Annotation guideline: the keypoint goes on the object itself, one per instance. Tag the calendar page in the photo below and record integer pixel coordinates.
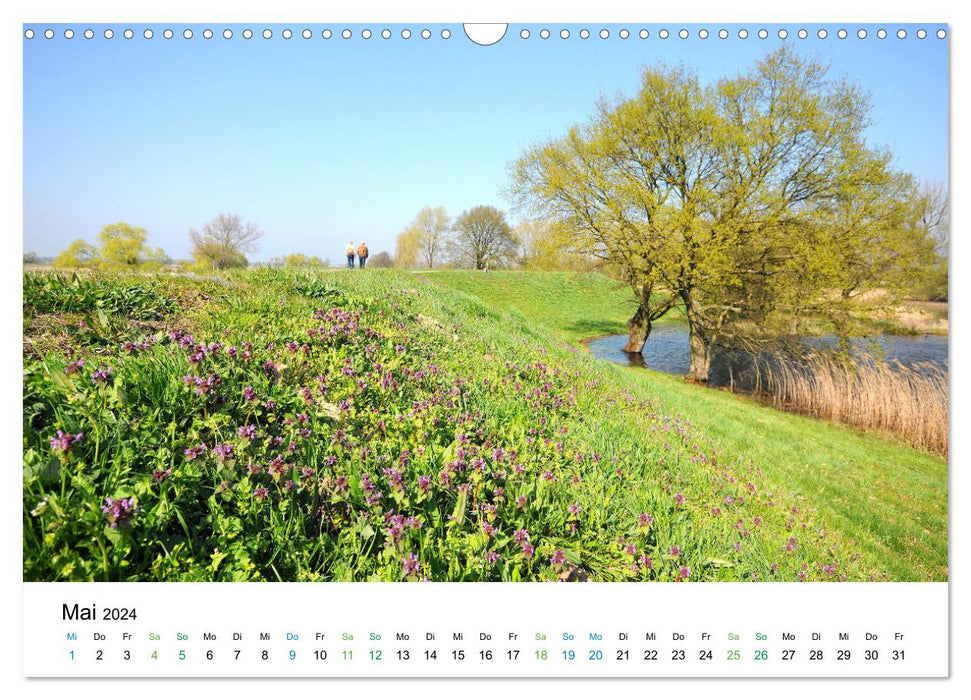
(530, 349)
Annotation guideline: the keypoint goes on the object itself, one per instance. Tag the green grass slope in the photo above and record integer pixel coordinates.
(571, 305)
(888, 500)
(380, 425)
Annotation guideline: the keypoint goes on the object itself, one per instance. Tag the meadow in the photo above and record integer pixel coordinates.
(382, 425)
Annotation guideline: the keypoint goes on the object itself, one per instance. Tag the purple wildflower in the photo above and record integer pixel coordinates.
(120, 512)
(225, 451)
(101, 375)
(193, 452)
(64, 442)
(395, 478)
(410, 565)
(72, 367)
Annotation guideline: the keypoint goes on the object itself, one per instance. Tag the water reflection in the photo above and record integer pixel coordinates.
(667, 351)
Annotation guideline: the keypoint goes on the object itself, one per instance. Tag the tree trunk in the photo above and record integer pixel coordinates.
(700, 366)
(639, 327)
(700, 341)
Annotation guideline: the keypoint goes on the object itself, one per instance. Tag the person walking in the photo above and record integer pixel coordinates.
(349, 252)
(362, 253)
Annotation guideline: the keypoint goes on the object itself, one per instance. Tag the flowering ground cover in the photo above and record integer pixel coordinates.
(378, 426)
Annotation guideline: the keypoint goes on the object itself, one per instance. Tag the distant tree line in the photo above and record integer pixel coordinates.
(299, 260)
(481, 238)
(222, 243)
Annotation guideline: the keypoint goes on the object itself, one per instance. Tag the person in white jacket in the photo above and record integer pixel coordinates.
(349, 252)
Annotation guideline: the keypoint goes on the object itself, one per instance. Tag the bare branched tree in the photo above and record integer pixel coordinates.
(934, 207)
(224, 241)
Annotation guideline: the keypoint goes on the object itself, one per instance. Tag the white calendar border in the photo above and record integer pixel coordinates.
(496, 629)
(506, 11)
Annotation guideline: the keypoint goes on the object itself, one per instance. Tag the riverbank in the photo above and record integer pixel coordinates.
(882, 494)
(904, 394)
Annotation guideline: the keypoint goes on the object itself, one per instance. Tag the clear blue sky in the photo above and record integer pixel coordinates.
(320, 141)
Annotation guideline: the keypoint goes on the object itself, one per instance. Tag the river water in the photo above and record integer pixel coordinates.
(666, 351)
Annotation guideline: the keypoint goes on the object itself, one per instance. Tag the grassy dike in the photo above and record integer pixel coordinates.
(572, 306)
(383, 425)
(887, 500)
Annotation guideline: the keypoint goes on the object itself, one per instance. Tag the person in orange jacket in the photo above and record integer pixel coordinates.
(362, 253)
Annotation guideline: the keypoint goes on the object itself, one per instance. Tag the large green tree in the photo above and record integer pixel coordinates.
(731, 200)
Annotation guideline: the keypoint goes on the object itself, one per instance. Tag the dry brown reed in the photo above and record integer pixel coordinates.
(909, 402)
